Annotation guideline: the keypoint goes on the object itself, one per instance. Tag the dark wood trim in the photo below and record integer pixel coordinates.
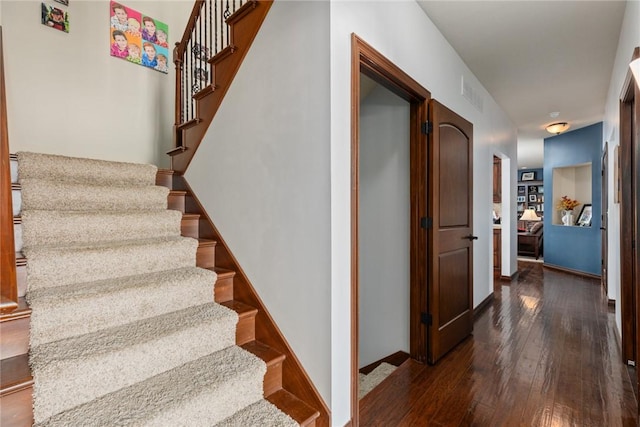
(395, 359)
(243, 28)
(509, 278)
(480, 308)
(8, 283)
(355, 209)
(295, 379)
(571, 271)
(629, 120)
(365, 59)
(181, 46)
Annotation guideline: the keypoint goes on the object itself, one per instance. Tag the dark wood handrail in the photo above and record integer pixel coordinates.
(8, 284)
(181, 46)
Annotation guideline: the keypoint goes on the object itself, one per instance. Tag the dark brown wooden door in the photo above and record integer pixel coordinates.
(450, 242)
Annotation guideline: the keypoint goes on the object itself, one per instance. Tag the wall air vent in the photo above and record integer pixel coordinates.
(471, 95)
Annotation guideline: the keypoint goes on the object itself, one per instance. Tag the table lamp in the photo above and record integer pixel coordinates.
(529, 216)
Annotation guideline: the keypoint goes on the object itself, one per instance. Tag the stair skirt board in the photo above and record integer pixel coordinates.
(124, 330)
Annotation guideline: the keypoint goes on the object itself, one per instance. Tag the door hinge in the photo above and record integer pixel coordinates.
(426, 222)
(427, 128)
(425, 318)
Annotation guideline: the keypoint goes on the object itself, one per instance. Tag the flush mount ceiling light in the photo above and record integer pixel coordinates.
(557, 128)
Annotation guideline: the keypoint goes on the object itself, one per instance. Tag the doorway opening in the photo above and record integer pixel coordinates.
(367, 61)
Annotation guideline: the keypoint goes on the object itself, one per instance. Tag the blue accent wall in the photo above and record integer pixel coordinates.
(575, 248)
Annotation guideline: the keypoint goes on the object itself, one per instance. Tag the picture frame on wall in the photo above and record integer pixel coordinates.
(584, 219)
(528, 176)
(533, 198)
(521, 189)
(521, 199)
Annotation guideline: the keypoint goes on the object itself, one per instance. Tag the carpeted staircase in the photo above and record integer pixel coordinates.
(124, 330)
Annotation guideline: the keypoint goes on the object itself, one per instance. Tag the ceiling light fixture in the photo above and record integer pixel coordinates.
(557, 128)
(635, 70)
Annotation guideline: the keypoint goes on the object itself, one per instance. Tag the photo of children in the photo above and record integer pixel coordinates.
(134, 54)
(55, 18)
(138, 38)
(120, 45)
(119, 17)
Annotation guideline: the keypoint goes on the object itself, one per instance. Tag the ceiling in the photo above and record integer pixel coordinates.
(535, 58)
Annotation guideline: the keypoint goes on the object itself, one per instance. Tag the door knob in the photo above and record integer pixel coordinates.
(471, 237)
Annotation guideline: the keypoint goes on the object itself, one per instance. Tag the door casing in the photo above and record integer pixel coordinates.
(365, 59)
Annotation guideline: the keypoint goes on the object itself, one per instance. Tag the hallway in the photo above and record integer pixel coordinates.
(544, 353)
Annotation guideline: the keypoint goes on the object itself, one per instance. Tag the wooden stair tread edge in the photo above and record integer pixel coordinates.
(204, 92)
(177, 193)
(176, 151)
(223, 272)
(294, 407)
(242, 11)
(21, 311)
(7, 305)
(16, 374)
(243, 310)
(186, 125)
(206, 242)
(269, 355)
(224, 53)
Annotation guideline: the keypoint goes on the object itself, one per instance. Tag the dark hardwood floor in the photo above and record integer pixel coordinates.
(544, 353)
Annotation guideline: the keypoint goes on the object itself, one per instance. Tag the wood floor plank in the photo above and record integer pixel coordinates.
(543, 353)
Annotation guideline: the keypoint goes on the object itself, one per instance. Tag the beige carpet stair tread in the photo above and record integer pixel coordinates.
(62, 196)
(73, 227)
(67, 371)
(76, 309)
(73, 169)
(50, 266)
(260, 414)
(199, 393)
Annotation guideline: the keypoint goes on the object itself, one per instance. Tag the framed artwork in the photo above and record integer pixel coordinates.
(533, 198)
(521, 189)
(584, 219)
(528, 176)
(55, 18)
(521, 199)
(138, 38)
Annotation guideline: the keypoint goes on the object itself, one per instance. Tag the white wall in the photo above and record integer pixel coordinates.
(67, 95)
(262, 174)
(629, 39)
(384, 226)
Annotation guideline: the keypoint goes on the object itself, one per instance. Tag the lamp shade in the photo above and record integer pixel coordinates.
(529, 215)
(557, 128)
(635, 70)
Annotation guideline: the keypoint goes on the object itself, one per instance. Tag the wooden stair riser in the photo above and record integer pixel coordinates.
(16, 408)
(175, 200)
(246, 327)
(223, 290)
(273, 359)
(15, 337)
(206, 254)
(190, 225)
